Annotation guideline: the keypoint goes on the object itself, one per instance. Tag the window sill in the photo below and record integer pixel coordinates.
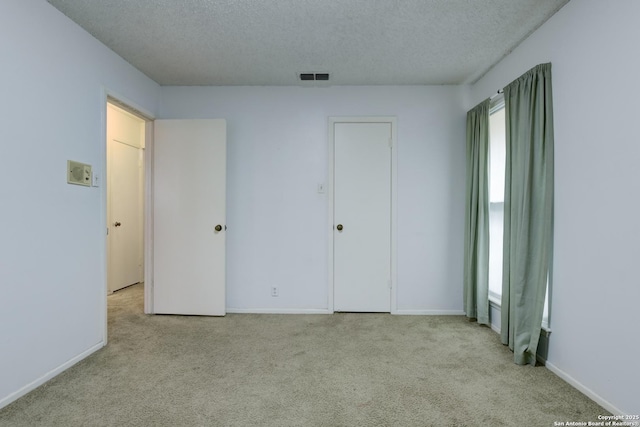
(495, 303)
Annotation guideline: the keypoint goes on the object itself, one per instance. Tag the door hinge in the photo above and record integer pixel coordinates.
(390, 142)
(107, 231)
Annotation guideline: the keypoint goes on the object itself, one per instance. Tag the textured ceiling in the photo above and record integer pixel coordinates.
(267, 42)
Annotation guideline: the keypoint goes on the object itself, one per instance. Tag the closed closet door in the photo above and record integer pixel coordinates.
(362, 217)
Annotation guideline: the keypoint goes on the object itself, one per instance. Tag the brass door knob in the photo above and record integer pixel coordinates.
(339, 227)
(218, 227)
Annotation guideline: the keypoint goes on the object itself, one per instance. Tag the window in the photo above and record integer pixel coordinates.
(497, 157)
(497, 154)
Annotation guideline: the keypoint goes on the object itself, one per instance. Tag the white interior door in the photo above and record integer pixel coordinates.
(362, 217)
(125, 139)
(189, 179)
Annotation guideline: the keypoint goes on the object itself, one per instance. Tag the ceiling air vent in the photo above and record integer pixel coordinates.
(310, 77)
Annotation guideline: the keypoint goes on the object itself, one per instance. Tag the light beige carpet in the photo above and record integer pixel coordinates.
(298, 370)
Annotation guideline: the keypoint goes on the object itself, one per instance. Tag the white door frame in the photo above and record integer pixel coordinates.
(130, 106)
(394, 197)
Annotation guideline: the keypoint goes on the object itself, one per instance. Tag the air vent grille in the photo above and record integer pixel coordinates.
(310, 77)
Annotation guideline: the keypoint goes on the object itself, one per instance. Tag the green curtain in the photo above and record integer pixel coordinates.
(528, 210)
(476, 232)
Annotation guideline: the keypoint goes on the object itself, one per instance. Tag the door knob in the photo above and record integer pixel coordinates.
(339, 227)
(218, 227)
(117, 224)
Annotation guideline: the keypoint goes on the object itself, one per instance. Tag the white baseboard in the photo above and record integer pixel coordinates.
(326, 311)
(278, 311)
(429, 312)
(584, 389)
(573, 382)
(46, 377)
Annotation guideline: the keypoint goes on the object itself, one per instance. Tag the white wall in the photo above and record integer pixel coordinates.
(52, 246)
(278, 223)
(596, 291)
(52, 243)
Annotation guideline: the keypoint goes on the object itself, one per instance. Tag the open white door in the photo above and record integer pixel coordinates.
(189, 179)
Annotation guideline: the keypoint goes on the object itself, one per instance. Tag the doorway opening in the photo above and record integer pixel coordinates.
(126, 184)
(125, 198)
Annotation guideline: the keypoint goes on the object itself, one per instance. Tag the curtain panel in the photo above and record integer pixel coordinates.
(528, 210)
(476, 232)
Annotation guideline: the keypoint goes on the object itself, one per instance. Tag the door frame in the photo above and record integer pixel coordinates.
(109, 96)
(394, 198)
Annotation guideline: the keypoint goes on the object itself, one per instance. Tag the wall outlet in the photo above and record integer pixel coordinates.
(274, 291)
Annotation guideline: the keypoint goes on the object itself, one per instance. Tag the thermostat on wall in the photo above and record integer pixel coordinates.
(78, 173)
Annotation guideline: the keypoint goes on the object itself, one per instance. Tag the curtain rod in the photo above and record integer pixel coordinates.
(498, 93)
